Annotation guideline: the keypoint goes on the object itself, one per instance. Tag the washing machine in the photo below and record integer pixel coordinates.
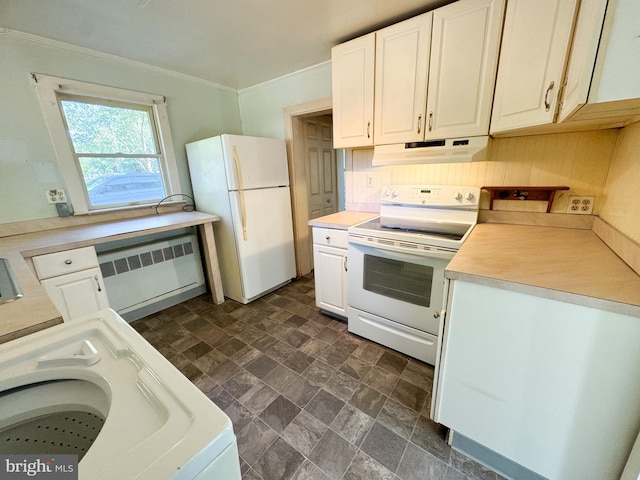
(95, 388)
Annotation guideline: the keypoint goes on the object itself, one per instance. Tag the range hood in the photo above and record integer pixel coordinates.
(451, 150)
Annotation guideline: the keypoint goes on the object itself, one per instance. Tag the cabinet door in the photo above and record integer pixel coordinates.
(535, 45)
(352, 76)
(330, 272)
(77, 294)
(402, 62)
(462, 71)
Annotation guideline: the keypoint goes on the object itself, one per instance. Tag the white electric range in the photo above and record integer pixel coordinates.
(397, 263)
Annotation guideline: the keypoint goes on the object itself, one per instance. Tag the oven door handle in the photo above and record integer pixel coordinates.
(441, 254)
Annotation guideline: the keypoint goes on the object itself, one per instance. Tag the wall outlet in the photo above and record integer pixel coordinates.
(370, 181)
(56, 195)
(581, 205)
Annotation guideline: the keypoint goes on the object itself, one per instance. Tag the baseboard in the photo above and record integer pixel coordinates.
(164, 303)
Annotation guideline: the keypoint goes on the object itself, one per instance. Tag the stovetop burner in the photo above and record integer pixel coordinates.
(428, 230)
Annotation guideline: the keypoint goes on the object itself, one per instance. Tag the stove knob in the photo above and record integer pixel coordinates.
(470, 197)
(386, 193)
(458, 196)
(394, 193)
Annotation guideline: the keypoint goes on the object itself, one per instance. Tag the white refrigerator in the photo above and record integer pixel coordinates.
(245, 181)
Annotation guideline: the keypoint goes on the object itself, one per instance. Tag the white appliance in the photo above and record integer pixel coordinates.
(245, 181)
(94, 387)
(397, 263)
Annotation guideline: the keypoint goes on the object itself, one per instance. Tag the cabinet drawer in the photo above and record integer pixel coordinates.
(330, 236)
(59, 263)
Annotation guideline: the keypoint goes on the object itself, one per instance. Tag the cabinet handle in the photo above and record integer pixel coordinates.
(95, 277)
(431, 120)
(68, 262)
(345, 265)
(327, 238)
(547, 104)
(419, 122)
(369, 129)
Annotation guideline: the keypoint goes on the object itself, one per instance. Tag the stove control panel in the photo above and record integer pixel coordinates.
(432, 195)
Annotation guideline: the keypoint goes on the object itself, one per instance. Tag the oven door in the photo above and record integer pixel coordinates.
(406, 288)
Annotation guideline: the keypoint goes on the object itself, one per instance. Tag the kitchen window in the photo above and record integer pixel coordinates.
(113, 146)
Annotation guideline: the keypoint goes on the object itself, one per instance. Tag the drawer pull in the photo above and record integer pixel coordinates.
(68, 262)
(327, 238)
(95, 277)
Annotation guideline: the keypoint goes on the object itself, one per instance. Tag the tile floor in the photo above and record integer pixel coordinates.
(308, 400)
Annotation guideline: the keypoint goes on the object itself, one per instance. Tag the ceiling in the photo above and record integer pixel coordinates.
(235, 43)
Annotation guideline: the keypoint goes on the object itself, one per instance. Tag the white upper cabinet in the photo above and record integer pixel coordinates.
(402, 62)
(464, 57)
(535, 47)
(352, 67)
(603, 76)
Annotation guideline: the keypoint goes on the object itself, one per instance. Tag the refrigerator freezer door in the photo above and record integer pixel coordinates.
(255, 162)
(266, 256)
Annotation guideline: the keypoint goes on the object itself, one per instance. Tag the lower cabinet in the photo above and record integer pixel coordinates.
(550, 386)
(73, 281)
(330, 269)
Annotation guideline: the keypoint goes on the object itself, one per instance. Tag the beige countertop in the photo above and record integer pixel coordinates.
(34, 311)
(566, 264)
(342, 220)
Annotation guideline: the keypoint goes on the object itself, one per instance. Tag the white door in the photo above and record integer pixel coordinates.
(264, 238)
(77, 294)
(255, 162)
(462, 68)
(402, 63)
(535, 46)
(352, 76)
(320, 167)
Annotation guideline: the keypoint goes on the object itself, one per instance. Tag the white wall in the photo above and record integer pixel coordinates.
(262, 106)
(28, 165)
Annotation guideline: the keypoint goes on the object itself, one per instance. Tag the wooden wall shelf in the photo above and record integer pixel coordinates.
(523, 193)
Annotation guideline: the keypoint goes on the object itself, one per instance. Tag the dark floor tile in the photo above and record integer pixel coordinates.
(254, 440)
(398, 418)
(221, 397)
(210, 361)
(420, 374)
(246, 355)
(239, 414)
(418, 465)
(304, 432)
(352, 424)
(279, 462)
(410, 395)
(384, 446)
(381, 380)
(224, 371)
(240, 383)
(333, 455)
(296, 338)
(328, 335)
(342, 385)
(392, 362)
(261, 366)
(308, 471)
(279, 413)
(213, 335)
(364, 467)
(470, 468)
(231, 347)
(258, 397)
(281, 351)
(295, 387)
(324, 406)
(299, 361)
(265, 343)
(319, 372)
(356, 367)
(368, 400)
(431, 437)
(334, 356)
(186, 342)
(296, 321)
(314, 347)
(195, 324)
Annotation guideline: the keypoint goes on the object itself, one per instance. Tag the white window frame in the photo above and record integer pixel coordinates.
(48, 88)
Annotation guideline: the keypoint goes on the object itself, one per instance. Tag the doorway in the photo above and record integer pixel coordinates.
(316, 172)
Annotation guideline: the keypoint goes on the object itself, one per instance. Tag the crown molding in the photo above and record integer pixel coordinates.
(317, 66)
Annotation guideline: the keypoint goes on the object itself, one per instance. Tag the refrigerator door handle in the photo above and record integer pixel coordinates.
(243, 208)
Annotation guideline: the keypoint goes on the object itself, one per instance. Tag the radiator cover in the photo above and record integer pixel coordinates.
(148, 277)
